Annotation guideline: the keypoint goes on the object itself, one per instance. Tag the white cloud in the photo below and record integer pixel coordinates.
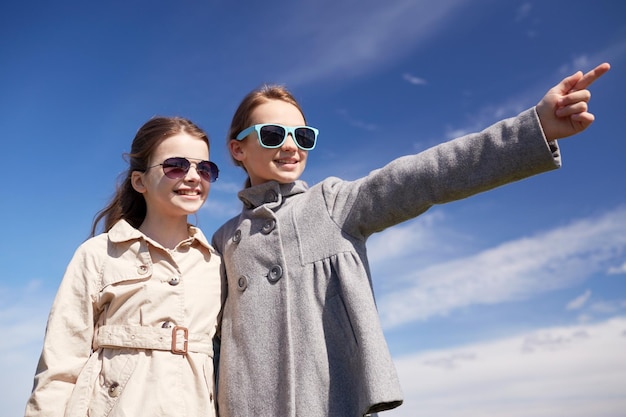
(357, 40)
(541, 341)
(515, 270)
(489, 114)
(614, 270)
(608, 307)
(523, 11)
(579, 301)
(511, 105)
(599, 308)
(450, 361)
(550, 372)
(583, 62)
(415, 238)
(411, 79)
(23, 316)
(580, 62)
(229, 187)
(355, 122)
(452, 133)
(223, 208)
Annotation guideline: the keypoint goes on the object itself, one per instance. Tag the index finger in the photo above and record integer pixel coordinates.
(591, 76)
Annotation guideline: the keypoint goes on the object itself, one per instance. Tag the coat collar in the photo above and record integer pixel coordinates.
(271, 193)
(122, 231)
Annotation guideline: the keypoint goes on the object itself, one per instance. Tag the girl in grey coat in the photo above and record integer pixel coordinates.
(300, 331)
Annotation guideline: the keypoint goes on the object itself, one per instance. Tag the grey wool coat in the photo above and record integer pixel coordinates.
(300, 333)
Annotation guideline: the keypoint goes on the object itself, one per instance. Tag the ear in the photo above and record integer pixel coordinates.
(137, 181)
(236, 149)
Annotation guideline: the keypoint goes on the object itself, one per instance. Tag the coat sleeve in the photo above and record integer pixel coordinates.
(68, 338)
(507, 151)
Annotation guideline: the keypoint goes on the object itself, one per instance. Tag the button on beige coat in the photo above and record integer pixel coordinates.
(130, 331)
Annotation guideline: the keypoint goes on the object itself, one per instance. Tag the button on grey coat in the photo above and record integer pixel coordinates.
(300, 332)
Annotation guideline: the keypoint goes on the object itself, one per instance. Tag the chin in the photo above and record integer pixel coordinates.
(192, 208)
(288, 179)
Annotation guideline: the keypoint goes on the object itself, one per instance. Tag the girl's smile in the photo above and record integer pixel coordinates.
(287, 162)
(189, 193)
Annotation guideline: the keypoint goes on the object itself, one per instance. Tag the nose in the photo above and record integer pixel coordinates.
(289, 144)
(192, 175)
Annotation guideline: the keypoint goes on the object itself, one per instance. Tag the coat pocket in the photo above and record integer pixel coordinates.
(118, 366)
(81, 397)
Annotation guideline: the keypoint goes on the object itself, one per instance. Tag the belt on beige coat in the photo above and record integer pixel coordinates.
(176, 339)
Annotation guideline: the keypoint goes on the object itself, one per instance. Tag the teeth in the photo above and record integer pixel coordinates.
(187, 192)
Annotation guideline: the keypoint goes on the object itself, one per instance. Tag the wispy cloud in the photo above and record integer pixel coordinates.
(551, 371)
(515, 270)
(580, 62)
(493, 112)
(450, 361)
(514, 103)
(614, 270)
(360, 124)
(608, 307)
(358, 40)
(23, 316)
(578, 302)
(424, 240)
(549, 340)
(411, 79)
(523, 11)
(587, 61)
(590, 311)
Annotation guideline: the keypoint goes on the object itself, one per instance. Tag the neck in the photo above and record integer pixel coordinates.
(168, 232)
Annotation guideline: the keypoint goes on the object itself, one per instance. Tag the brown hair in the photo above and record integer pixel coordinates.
(127, 203)
(241, 119)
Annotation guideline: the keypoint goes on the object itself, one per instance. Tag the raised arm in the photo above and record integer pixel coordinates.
(563, 111)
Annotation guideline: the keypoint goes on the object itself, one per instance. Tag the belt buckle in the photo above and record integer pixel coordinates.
(185, 340)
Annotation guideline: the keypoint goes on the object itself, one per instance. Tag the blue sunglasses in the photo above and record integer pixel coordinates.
(272, 135)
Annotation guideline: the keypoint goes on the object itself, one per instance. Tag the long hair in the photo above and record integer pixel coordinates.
(241, 118)
(127, 203)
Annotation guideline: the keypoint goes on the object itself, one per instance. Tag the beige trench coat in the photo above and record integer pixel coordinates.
(130, 331)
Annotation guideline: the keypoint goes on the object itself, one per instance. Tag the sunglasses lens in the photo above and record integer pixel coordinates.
(272, 136)
(208, 171)
(305, 137)
(175, 168)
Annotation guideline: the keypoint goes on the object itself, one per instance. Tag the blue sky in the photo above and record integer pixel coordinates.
(509, 303)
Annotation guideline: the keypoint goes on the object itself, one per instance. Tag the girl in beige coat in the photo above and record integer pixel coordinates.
(130, 331)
